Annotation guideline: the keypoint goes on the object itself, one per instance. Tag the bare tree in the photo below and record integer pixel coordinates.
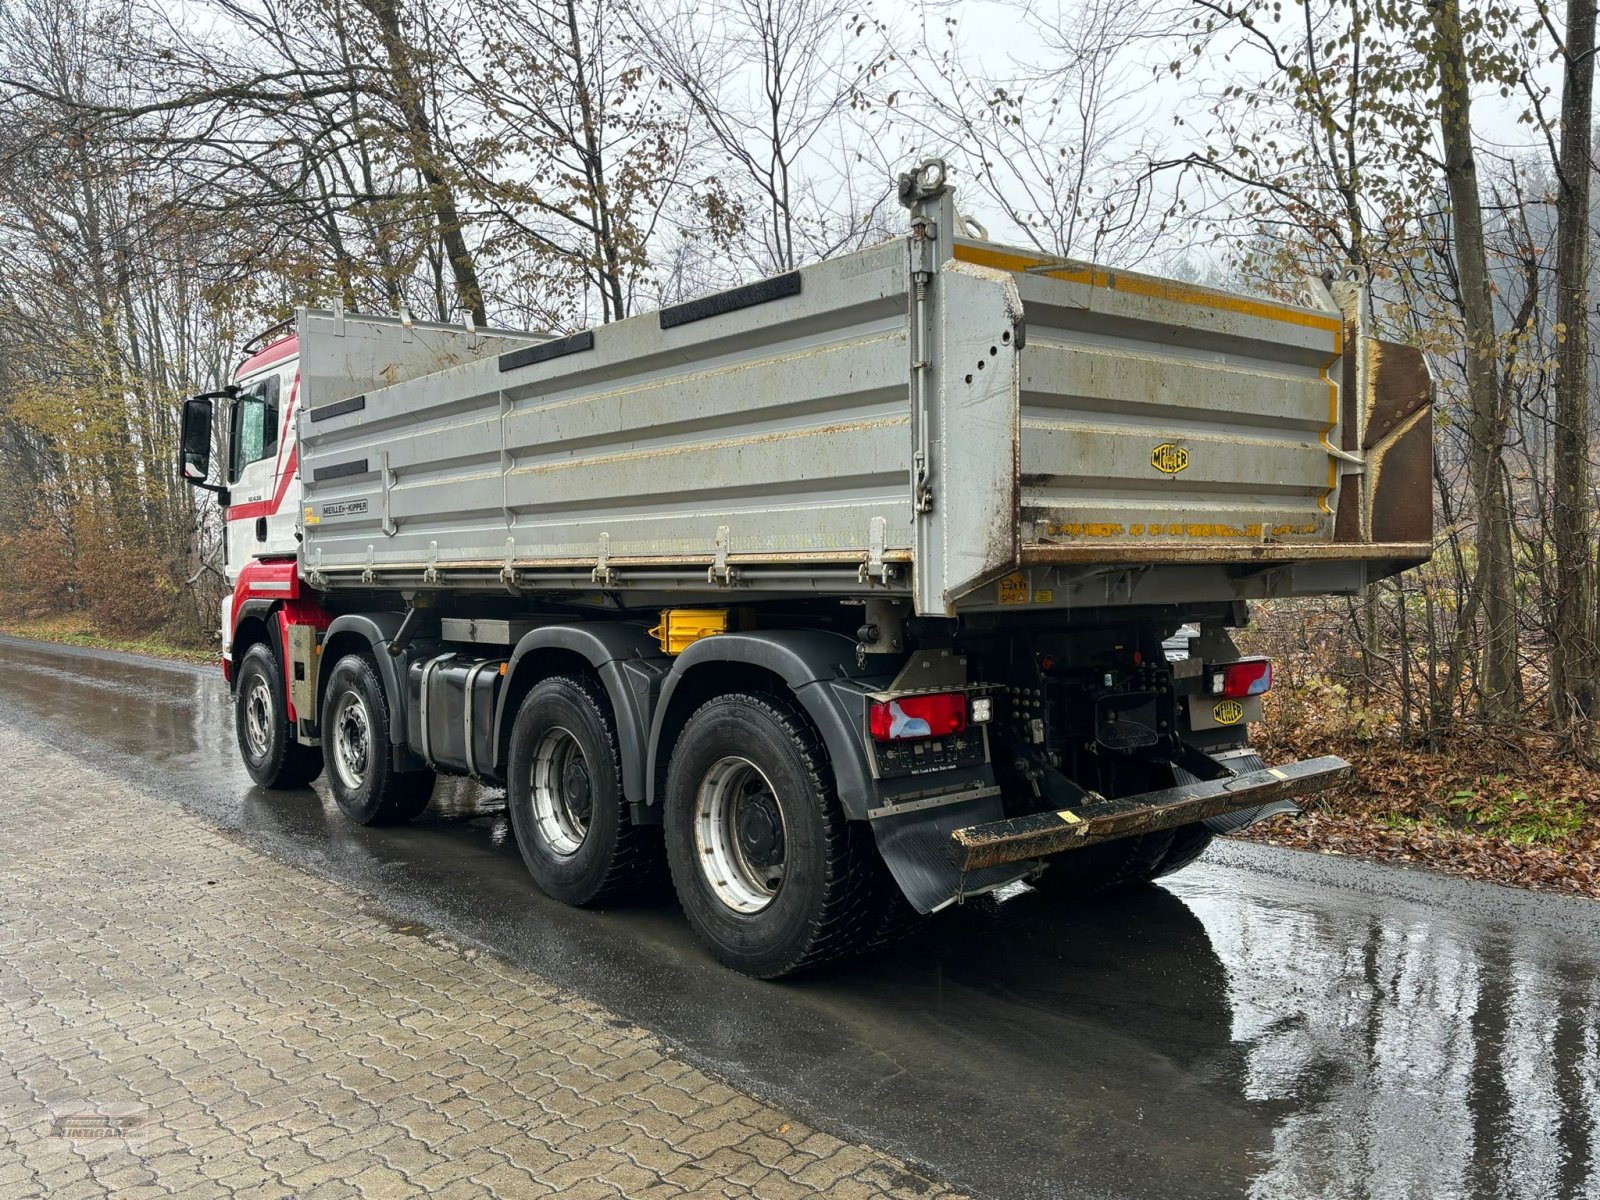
(1049, 138)
(1496, 584)
(1573, 653)
(585, 152)
(770, 82)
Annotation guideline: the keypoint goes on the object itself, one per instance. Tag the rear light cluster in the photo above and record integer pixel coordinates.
(935, 714)
(1236, 680)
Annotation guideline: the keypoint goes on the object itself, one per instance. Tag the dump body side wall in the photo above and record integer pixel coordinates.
(776, 430)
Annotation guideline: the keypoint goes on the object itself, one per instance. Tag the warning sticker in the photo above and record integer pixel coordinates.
(1016, 588)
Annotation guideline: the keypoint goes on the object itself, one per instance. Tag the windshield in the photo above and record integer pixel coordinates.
(254, 431)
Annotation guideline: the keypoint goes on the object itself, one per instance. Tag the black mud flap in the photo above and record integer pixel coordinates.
(1014, 839)
(916, 848)
(1233, 822)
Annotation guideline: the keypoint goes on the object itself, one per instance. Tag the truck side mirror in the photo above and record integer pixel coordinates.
(196, 439)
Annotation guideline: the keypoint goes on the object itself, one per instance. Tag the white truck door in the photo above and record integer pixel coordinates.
(262, 470)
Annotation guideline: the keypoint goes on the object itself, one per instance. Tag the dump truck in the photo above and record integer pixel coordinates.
(838, 597)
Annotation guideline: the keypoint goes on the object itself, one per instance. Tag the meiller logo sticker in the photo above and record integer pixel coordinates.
(1227, 712)
(1169, 459)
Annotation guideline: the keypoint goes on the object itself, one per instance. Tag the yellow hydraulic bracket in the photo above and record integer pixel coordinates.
(680, 628)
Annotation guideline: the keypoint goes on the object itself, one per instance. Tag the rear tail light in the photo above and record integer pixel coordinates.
(934, 715)
(1236, 680)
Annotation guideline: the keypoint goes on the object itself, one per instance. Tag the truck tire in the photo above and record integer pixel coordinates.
(261, 720)
(564, 793)
(1189, 842)
(355, 737)
(771, 875)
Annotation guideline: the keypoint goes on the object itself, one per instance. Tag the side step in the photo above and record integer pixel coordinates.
(1102, 820)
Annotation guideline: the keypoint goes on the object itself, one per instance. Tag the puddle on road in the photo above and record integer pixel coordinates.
(1409, 1056)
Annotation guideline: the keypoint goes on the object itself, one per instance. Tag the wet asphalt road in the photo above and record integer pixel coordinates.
(1269, 1023)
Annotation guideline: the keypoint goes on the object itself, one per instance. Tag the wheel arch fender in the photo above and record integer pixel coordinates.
(629, 665)
(354, 632)
(254, 621)
(816, 667)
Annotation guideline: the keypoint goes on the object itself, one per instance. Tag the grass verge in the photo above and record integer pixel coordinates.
(73, 630)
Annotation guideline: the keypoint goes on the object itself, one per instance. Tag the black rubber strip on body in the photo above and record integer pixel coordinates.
(356, 466)
(339, 408)
(714, 305)
(545, 351)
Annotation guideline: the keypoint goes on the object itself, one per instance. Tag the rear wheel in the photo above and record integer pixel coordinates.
(1132, 861)
(261, 719)
(1106, 866)
(770, 873)
(1189, 842)
(355, 735)
(1124, 863)
(564, 793)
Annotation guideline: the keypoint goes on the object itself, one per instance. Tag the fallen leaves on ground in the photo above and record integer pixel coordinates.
(1517, 811)
(1440, 848)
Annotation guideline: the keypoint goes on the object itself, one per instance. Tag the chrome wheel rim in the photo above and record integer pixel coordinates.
(258, 718)
(740, 838)
(562, 790)
(352, 739)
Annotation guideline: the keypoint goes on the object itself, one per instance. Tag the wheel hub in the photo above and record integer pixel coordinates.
(576, 789)
(258, 719)
(352, 742)
(760, 829)
(739, 835)
(562, 792)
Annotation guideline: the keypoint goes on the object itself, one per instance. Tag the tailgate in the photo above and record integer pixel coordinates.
(1156, 414)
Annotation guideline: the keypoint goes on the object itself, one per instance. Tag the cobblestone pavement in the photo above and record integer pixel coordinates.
(181, 1015)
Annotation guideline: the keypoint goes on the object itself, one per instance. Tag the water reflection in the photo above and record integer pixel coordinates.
(1411, 1055)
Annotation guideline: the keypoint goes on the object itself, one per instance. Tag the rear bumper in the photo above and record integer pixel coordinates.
(1100, 820)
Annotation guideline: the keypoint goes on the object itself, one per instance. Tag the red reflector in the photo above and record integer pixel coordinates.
(1247, 677)
(912, 717)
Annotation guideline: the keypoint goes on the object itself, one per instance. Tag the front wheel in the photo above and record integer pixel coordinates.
(355, 735)
(770, 873)
(261, 719)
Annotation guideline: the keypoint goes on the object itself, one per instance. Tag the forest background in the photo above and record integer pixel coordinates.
(176, 176)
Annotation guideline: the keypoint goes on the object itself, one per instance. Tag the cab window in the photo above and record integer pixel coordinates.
(254, 435)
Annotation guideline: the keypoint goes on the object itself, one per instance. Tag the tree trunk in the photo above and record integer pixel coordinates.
(1572, 667)
(1497, 678)
(608, 270)
(426, 159)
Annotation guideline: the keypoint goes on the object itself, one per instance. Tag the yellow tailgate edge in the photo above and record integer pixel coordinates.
(1139, 285)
